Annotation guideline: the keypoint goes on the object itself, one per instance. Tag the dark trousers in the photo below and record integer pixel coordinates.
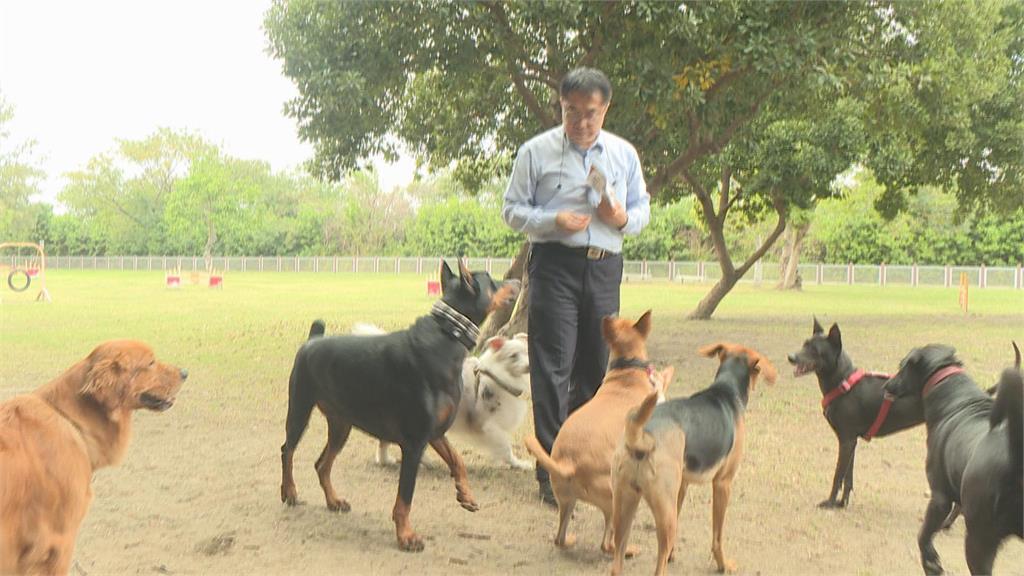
(569, 295)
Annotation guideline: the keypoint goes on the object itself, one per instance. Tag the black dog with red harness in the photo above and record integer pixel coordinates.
(854, 403)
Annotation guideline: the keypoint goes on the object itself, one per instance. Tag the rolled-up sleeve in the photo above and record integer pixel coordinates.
(638, 201)
(519, 210)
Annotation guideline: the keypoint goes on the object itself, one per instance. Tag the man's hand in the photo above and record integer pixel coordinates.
(571, 221)
(612, 213)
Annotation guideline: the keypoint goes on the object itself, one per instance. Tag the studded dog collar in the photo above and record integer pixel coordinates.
(455, 324)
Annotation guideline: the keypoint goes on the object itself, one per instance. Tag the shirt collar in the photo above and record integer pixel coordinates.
(598, 145)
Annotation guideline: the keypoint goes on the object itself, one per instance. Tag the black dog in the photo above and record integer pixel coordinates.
(973, 460)
(853, 413)
(402, 387)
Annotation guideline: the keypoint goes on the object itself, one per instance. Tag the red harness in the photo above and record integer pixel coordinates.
(847, 385)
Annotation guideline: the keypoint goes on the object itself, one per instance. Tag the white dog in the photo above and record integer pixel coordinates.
(493, 404)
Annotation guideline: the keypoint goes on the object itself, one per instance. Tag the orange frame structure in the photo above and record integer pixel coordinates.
(44, 294)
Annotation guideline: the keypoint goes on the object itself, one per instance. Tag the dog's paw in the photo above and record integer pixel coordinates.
(289, 496)
(410, 542)
(521, 464)
(468, 503)
(338, 505)
(569, 542)
(830, 504)
(728, 567)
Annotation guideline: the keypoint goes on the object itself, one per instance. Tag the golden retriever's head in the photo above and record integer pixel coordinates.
(758, 364)
(124, 375)
(625, 338)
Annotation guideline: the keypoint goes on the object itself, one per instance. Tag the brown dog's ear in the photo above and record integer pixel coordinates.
(712, 350)
(104, 384)
(767, 369)
(755, 371)
(607, 327)
(643, 325)
(666, 378)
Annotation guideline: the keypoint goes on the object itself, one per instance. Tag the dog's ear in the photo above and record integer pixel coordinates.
(496, 342)
(466, 276)
(834, 337)
(755, 370)
(521, 336)
(643, 325)
(666, 378)
(817, 327)
(767, 369)
(607, 327)
(104, 382)
(447, 276)
(712, 350)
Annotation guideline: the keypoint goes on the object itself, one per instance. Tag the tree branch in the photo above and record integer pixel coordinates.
(597, 43)
(780, 226)
(514, 52)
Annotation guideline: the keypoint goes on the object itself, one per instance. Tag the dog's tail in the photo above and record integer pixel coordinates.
(562, 471)
(1009, 406)
(318, 329)
(639, 442)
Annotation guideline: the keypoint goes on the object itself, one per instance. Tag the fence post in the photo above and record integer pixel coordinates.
(881, 274)
(355, 264)
(982, 277)
(849, 273)
(1019, 278)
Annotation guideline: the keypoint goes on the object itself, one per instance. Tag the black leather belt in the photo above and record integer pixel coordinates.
(589, 252)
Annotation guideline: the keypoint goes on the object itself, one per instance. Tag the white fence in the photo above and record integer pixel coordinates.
(686, 272)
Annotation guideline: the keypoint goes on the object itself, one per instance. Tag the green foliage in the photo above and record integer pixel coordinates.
(931, 230)
(674, 233)
(19, 180)
(460, 226)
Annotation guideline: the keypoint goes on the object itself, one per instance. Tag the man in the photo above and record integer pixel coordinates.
(576, 234)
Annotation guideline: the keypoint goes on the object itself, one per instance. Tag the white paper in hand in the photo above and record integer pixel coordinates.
(599, 184)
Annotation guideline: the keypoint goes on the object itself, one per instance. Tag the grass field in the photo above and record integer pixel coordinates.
(198, 493)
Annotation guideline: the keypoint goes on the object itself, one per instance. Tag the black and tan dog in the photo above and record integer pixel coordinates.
(852, 401)
(402, 387)
(973, 459)
(685, 441)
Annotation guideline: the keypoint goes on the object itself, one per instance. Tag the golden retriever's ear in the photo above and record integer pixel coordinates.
(711, 350)
(643, 325)
(104, 382)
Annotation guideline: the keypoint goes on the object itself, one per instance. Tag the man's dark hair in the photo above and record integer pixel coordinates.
(587, 81)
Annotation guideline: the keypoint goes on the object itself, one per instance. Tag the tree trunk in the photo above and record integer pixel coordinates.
(791, 257)
(211, 239)
(714, 297)
(716, 227)
(496, 322)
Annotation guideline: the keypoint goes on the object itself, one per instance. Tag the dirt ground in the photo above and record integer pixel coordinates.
(199, 491)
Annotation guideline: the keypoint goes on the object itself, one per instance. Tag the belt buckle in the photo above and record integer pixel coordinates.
(595, 253)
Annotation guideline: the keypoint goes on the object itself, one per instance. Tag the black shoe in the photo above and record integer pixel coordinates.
(546, 495)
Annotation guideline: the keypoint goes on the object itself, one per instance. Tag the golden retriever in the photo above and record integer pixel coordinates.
(52, 440)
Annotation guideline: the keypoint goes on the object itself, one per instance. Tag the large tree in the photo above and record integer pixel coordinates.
(19, 180)
(704, 89)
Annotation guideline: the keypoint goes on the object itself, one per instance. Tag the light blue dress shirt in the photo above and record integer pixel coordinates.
(550, 176)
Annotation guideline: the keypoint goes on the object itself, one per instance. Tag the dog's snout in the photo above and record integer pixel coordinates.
(791, 358)
(184, 374)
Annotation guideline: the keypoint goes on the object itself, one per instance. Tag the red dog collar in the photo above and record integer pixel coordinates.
(938, 377)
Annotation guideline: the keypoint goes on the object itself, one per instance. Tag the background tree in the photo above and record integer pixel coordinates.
(467, 83)
(19, 180)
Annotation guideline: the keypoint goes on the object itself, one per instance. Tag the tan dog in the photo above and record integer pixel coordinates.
(581, 457)
(52, 440)
(681, 442)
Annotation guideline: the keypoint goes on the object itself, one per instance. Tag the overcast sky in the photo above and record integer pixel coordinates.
(82, 74)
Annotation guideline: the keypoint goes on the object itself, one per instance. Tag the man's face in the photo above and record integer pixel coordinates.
(583, 116)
